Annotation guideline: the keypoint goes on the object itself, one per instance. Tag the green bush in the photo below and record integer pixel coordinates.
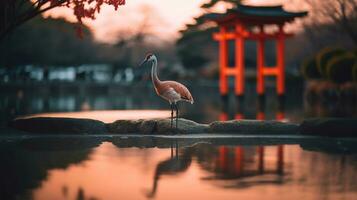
(339, 69)
(309, 69)
(324, 56)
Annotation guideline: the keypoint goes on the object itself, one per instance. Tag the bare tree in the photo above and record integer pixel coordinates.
(340, 12)
(137, 40)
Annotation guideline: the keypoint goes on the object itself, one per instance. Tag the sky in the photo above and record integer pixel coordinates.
(167, 17)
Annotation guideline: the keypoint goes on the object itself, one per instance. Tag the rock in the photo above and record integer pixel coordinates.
(147, 127)
(124, 126)
(48, 125)
(253, 126)
(333, 127)
(185, 126)
(155, 126)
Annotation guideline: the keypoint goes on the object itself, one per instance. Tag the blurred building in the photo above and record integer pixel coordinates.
(99, 73)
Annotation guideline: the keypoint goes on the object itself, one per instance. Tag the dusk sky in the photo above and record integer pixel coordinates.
(167, 16)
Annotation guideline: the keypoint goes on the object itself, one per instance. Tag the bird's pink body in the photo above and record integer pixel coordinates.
(171, 91)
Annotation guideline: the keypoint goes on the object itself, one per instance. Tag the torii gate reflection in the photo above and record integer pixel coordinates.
(223, 164)
(239, 152)
(227, 161)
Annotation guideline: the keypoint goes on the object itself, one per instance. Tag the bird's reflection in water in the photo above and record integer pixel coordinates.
(58, 169)
(82, 196)
(226, 163)
(65, 192)
(232, 166)
(177, 163)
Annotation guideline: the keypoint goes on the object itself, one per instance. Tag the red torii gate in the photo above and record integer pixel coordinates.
(233, 25)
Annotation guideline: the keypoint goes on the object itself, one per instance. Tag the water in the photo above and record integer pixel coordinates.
(168, 168)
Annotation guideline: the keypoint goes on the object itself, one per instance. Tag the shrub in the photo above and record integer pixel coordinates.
(309, 69)
(324, 56)
(339, 69)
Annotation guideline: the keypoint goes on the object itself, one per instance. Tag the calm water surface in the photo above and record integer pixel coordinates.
(91, 169)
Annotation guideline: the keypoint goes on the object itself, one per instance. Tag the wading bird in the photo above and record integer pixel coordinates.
(171, 91)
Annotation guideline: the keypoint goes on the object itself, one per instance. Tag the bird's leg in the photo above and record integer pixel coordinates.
(172, 114)
(172, 149)
(176, 149)
(177, 115)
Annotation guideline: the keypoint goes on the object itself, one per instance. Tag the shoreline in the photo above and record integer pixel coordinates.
(330, 127)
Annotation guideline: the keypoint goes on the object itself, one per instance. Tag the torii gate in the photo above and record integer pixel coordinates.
(233, 25)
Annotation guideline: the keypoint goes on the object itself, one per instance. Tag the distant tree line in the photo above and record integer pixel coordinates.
(195, 47)
(48, 42)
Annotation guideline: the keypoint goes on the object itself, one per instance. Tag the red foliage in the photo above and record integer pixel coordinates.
(88, 8)
(85, 9)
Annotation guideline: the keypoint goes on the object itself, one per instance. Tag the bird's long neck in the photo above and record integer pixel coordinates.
(155, 79)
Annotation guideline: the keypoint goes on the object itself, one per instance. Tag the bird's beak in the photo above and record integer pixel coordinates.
(143, 62)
